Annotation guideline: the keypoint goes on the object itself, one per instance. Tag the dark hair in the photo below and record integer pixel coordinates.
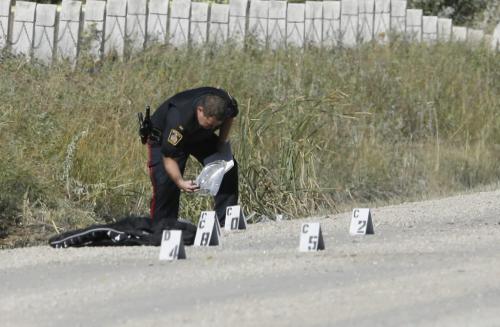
(214, 106)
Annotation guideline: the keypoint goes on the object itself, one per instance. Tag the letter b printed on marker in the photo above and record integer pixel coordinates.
(208, 231)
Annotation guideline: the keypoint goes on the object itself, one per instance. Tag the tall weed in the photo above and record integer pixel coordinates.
(318, 129)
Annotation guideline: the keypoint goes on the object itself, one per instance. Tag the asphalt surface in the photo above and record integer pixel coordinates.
(433, 263)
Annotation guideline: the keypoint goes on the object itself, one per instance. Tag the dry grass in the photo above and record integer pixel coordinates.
(317, 130)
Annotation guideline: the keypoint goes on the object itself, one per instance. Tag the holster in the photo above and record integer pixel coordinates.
(155, 136)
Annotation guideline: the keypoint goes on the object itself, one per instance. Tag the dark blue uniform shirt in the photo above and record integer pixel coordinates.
(177, 120)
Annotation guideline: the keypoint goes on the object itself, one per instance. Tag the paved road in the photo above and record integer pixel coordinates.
(433, 263)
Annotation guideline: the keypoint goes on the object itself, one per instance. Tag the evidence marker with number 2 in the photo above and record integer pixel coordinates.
(311, 237)
(235, 219)
(172, 245)
(361, 222)
(208, 233)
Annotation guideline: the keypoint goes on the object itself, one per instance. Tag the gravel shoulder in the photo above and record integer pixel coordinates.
(432, 263)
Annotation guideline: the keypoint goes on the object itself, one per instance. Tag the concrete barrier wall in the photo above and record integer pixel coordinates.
(114, 29)
(136, 24)
(276, 24)
(4, 22)
(198, 32)
(295, 25)
(331, 23)
(314, 23)
(45, 32)
(45, 28)
(68, 37)
(219, 23)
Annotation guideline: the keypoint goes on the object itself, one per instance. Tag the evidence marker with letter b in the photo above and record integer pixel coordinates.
(208, 232)
(311, 237)
(235, 219)
(172, 245)
(361, 222)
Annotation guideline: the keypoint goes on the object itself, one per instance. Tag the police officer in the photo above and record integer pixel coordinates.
(184, 125)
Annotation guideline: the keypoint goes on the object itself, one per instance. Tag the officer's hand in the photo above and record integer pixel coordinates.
(188, 186)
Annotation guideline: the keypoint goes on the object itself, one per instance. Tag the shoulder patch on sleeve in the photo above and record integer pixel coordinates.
(174, 137)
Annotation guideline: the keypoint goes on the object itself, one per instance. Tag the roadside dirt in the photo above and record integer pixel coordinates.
(433, 263)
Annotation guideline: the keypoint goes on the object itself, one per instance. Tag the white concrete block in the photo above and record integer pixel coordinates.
(459, 34)
(495, 39)
(382, 20)
(94, 10)
(199, 23)
(5, 7)
(69, 29)
(23, 28)
(136, 24)
(257, 20)
(114, 30)
(295, 25)
(366, 16)
(116, 8)
(276, 28)
(4, 22)
(136, 7)
(25, 11)
(115, 27)
(45, 24)
(398, 16)
(219, 23)
(475, 36)
(93, 26)
(349, 22)
(157, 22)
(331, 23)
(444, 29)
(70, 11)
(429, 29)
(414, 24)
(314, 23)
(237, 20)
(179, 22)
(45, 15)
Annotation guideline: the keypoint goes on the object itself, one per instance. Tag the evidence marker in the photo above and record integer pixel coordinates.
(172, 246)
(208, 232)
(361, 222)
(311, 238)
(235, 219)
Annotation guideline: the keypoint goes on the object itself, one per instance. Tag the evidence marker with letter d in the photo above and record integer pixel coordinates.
(172, 245)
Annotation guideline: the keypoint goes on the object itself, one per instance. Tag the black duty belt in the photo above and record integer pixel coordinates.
(155, 136)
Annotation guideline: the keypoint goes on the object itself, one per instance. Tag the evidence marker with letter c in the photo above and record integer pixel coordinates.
(172, 245)
(361, 222)
(208, 232)
(311, 237)
(235, 219)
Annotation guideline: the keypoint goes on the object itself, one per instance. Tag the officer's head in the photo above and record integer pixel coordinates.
(211, 111)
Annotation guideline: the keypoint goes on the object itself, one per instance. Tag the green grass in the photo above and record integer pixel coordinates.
(318, 130)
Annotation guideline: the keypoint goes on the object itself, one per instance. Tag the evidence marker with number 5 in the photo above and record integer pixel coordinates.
(361, 222)
(311, 238)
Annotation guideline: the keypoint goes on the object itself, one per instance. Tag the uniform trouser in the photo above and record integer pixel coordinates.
(165, 200)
